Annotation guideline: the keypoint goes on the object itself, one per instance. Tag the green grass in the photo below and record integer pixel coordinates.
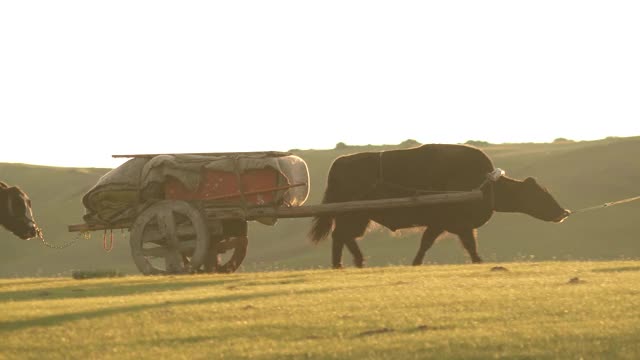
(531, 311)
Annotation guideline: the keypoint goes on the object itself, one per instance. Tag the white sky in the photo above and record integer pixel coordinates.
(81, 80)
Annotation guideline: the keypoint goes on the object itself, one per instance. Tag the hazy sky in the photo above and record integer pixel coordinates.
(81, 80)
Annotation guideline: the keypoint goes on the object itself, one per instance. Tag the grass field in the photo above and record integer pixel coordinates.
(529, 310)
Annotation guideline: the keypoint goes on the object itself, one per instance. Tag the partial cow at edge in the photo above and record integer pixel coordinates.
(431, 168)
(15, 212)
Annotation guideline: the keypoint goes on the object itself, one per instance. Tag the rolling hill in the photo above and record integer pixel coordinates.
(579, 174)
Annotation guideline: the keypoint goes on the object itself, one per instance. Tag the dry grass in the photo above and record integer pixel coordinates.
(556, 310)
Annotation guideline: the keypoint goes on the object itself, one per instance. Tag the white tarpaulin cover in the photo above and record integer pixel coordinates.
(123, 192)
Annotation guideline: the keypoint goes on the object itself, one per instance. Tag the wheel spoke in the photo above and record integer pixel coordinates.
(155, 252)
(167, 226)
(173, 262)
(239, 247)
(228, 244)
(153, 234)
(186, 247)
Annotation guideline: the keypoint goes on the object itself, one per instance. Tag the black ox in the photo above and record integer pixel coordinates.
(15, 212)
(421, 170)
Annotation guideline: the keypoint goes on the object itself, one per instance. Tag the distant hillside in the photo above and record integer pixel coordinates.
(579, 174)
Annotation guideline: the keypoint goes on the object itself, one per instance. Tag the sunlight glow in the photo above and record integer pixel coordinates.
(80, 81)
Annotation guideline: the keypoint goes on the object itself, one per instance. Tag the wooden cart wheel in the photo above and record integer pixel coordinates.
(226, 255)
(170, 236)
(227, 247)
(238, 247)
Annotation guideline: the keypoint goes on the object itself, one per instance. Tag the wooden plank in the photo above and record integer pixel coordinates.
(248, 153)
(182, 230)
(96, 227)
(338, 208)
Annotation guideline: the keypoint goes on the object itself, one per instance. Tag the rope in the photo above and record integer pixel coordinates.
(40, 235)
(107, 246)
(606, 205)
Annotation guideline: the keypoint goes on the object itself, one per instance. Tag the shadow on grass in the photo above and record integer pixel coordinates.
(28, 282)
(138, 287)
(618, 269)
(55, 320)
(83, 290)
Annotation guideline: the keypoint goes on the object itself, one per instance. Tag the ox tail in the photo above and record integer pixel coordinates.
(322, 224)
(321, 228)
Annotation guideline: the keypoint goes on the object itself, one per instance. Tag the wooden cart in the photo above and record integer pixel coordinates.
(186, 236)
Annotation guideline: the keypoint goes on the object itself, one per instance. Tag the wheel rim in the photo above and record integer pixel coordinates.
(170, 236)
(238, 247)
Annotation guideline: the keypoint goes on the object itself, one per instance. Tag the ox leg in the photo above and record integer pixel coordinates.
(468, 239)
(345, 232)
(336, 252)
(352, 245)
(428, 238)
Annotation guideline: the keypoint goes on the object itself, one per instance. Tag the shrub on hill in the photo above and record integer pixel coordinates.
(410, 143)
(341, 145)
(562, 140)
(478, 143)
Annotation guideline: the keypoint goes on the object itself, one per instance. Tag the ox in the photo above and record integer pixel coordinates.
(15, 212)
(425, 169)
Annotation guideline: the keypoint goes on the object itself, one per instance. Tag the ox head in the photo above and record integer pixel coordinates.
(15, 212)
(528, 197)
(538, 202)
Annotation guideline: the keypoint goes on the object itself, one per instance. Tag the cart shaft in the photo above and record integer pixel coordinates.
(213, 212)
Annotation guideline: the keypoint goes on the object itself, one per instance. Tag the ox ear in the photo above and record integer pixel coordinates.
(530, 181)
